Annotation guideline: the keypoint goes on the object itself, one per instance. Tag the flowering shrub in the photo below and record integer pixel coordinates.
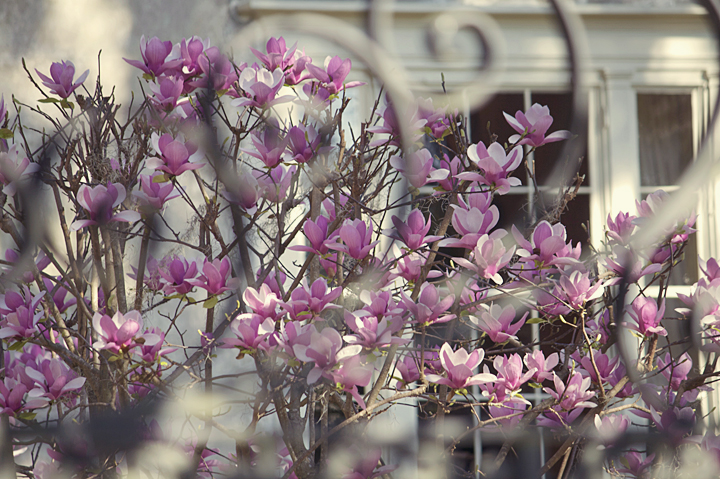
(373, 313)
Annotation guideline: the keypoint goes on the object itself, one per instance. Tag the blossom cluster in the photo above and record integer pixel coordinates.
(299, 260)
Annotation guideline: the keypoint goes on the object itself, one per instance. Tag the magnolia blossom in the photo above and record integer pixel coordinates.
(176, 155)
(372, 333)
(489, 257)
(317, 233)
(356, 238)
(497, 322)
(303, 142)
(325, 350)
(646, 316)
(55, 378)
(117, 334)
(156, 57)
(215, 277)
(244, 192)
(99, 203)
(413, 231)
(418, 168)
(333, 75)
(14, 167)
(260, 87)
(274, 184)
(543, 366)
(308, 302)
(574, 394)
(429, 307)
(533, 124)
(153, 195)
(459, 366)
(177, 274)
(252, 332)
(269, 148)
(62, 75)
(496, 166)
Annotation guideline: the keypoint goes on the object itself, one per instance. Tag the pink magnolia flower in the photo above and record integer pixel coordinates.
(117, 334)
(413, 231)
(356, 237)
(55, 378)
(263, 302)
(59, 294)
(471, 224)
(577, 289)
(244, 192)
(252, 332)
(509, 374)
(409, 266)
(634, 464)
(646, 317)
(547, 246)
(215, 277)
(271, 148)
(495, 164)
(166, 92)
(191, 50)
(152, 349)
(436, 121)
(99, 203)
(459, 366)
(14, 168)
(178, 274)
(621, 229)
(497, 322)
(325, 350)
(489, 257)
(710, 268)
(508, 407)
(454, 167)
(574, 394)
(534, 123)
(16, 397)
(371, 332)
(176, 155)
(278, 54)
(429, 308)
(409, 371)
(675, 371)
(333, 75)
(391, 128)
(307, 302)
(543, 366)
(604, 363)
(21, 323)
(274, 184)
(154, 195)
(417, 168)
(155, 59)
(259, 88)
(316, 233)
(352, 371)
(62, 75)
(303, 142)
(218, 69)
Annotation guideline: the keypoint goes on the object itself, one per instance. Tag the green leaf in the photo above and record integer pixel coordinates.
(17, 346)
(160, 179)
(67, 104)
(114, 358)
(534, 385)
(49, 100)
(148, 76)
(27, 416)
(535, 321)
(210, 302)
(6, 134)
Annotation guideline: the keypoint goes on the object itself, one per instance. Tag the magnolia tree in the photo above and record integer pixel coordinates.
(309, 252)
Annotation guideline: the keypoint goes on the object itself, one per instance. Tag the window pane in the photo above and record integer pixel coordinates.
(665, 135)
(490, 120)
(547, 156)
